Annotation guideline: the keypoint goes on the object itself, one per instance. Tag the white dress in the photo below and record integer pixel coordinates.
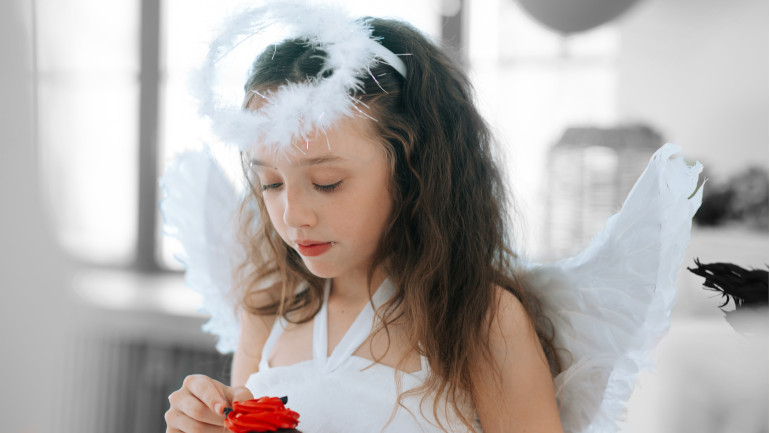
(609, 305)
(347, 393)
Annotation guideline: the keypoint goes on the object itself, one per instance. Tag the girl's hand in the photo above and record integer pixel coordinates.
(199, 406)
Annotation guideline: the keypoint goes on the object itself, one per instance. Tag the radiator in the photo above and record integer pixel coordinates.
(119, 382)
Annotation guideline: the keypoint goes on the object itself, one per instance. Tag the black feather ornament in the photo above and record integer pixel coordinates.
(747, 288)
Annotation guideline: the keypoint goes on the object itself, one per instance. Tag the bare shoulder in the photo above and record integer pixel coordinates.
(516, 393)
(509, 317)
(511, 327)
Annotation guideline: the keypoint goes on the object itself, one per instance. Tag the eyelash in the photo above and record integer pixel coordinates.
(327, 188)
(271, 186)
(323, 188)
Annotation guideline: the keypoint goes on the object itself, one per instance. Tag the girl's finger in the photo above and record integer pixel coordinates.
(180, 422)
(240, 393)
(197, 410)
(208, 391)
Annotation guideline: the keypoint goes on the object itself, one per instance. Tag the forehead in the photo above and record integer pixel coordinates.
(351, 140)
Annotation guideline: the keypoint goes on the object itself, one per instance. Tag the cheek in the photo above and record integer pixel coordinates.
(275, 213)
(371, 223)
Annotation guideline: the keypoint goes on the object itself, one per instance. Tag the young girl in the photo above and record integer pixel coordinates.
(377, 287)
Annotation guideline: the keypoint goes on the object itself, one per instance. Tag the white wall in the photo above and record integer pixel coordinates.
(32, 301)
(698, 71)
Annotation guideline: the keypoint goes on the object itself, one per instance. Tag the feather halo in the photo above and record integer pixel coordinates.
(293, 112)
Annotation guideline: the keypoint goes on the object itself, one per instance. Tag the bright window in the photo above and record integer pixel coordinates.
(113, 99)
(88, 87)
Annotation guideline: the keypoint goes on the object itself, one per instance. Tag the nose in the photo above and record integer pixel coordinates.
(298, 211)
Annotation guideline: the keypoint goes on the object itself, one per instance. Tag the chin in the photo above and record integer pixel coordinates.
(321, 270)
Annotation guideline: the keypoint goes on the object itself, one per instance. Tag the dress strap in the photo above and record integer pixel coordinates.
(358, 332)
(275, 333)
(424, 365)
(320, 324)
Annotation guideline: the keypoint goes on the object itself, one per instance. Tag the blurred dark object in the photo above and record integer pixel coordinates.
(742, 199)
(621, 137)
(590, 172)
(747, 288)
(570, 16)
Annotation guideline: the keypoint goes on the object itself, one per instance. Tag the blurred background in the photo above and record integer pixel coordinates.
(97, 327)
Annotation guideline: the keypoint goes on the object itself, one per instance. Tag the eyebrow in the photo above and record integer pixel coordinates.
(326, 159)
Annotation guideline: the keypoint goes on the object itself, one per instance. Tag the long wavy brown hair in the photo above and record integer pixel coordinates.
(447, 246)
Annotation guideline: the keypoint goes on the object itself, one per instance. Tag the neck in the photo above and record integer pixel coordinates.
(354, 287)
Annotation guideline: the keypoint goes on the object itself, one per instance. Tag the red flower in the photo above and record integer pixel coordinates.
(264, 414)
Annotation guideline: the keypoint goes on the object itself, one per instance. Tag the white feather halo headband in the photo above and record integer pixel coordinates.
(295, 111)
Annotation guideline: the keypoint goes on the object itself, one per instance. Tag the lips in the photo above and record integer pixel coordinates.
(312, 248)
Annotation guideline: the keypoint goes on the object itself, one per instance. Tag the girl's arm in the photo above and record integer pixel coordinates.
(521, 397)
(254, 332)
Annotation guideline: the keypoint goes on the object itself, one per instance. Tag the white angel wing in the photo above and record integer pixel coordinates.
(610, 304)
(200, 208)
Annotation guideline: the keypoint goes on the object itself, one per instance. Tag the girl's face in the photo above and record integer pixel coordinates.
(330, 201)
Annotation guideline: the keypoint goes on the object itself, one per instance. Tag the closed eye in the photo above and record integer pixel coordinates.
(271, 186)
(327, 188)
